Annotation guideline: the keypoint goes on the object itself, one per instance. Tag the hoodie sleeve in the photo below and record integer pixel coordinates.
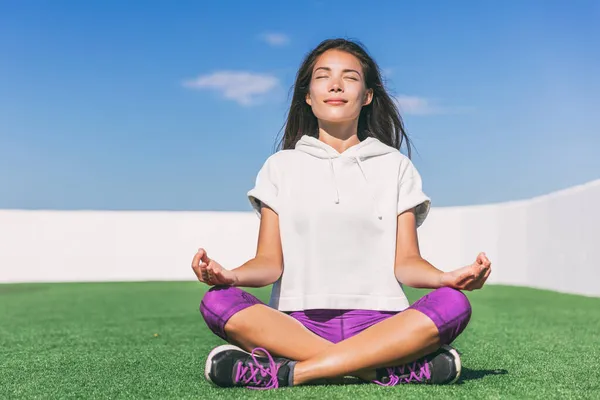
(410, 193)
(266, 189)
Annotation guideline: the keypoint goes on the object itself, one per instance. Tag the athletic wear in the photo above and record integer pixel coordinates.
(337, 220)
(441, 367)
(230, 366)
(449, 309)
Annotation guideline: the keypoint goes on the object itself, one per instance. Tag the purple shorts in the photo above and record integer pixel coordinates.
(449, 309)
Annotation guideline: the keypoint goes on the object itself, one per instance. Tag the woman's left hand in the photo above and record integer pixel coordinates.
(470, 277)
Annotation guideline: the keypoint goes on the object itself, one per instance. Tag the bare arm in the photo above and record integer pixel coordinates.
(410, 268)
(266, 267)
(262, 270)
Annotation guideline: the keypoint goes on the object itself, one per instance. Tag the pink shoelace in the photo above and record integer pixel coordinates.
(407, 373)
(255, 375)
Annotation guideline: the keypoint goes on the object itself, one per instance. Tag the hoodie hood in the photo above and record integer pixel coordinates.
(368, 148)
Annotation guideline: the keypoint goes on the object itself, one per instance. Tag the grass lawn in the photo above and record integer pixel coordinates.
(147, 340)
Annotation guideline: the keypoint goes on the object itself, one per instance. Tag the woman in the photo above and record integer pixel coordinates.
(339, 208)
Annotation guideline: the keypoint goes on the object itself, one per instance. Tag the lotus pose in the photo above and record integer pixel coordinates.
(339, 207)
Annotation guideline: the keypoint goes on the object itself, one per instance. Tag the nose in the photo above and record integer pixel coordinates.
(336, 86)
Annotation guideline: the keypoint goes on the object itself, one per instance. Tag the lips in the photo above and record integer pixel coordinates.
(336, 101)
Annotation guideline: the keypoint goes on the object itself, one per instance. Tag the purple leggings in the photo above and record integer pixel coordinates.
(448, 308)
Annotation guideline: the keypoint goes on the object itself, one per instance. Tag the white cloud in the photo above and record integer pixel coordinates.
(275, 39)
(414, 105)
(245, 88)
(387, 71)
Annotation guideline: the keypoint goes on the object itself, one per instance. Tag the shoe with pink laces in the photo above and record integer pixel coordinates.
(441, 367)
(230, 366)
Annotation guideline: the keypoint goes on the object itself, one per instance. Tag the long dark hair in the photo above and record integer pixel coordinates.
(380, 119)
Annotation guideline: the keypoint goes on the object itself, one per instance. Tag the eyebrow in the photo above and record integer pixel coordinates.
(346, 70)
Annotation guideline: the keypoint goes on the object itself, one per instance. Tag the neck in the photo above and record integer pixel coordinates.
(339, 136)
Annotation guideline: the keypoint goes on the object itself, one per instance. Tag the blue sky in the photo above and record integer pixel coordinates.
(161, 105)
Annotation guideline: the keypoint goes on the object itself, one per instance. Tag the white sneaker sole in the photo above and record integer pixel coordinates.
(212, 354)
(457, 362)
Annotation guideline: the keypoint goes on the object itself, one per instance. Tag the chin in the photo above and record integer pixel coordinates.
(336, 119)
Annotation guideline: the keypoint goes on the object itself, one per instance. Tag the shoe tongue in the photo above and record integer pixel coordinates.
(236, 371)
(284, 377)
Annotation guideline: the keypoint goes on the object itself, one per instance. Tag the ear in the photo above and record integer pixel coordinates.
(368, 97)
(308, 99)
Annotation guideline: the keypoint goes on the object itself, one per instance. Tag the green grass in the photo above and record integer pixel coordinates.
(97, 340)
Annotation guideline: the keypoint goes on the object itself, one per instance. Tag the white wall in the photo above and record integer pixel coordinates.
(545, 242)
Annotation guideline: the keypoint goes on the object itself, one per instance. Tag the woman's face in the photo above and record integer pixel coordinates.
(337, 90)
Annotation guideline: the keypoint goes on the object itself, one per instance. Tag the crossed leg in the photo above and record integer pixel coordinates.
(241, 319)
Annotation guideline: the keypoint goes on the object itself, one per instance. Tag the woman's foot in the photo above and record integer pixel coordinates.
(441, 367)
(230, 366)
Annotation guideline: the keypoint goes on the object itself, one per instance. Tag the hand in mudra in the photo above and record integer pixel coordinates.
(211, 272)
(470, 277)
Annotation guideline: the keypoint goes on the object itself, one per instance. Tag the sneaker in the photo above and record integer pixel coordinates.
(440, 367)
(230, 366)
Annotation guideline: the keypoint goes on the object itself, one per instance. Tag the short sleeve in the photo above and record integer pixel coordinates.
(265, 190)
(410, 193)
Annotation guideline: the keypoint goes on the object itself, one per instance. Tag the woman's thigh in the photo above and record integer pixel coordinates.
(299, 335)
(241, 319)
(448, 308)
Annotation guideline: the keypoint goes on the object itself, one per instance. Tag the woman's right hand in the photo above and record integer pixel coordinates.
(210, 271)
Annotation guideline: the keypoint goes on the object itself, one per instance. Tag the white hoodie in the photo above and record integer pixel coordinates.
(337, 219)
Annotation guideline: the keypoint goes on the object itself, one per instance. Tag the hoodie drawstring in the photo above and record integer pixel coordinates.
(357, 158)
(337, 192)
(370, 147)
